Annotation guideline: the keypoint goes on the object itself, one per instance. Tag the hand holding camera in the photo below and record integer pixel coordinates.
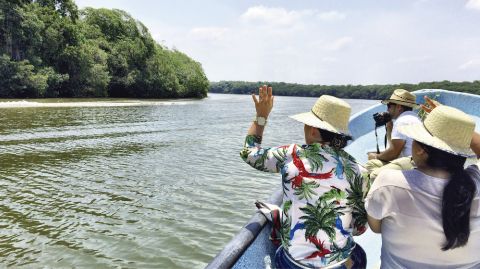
(381, 118)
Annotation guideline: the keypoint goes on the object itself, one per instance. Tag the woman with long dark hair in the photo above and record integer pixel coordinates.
(429, 217)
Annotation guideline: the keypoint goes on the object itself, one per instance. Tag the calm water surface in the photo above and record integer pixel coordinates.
(131, 184)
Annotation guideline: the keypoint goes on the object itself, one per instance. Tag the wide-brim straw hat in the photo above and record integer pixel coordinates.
(402, 97)
(445, 128)
(329, 113)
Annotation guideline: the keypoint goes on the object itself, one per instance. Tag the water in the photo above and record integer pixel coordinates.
(131, 184)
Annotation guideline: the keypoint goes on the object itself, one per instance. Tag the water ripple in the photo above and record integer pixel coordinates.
(154, 186)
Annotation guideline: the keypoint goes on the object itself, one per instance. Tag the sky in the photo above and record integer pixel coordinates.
(328, 42)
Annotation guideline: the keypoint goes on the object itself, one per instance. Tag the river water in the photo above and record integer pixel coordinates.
(131, 184)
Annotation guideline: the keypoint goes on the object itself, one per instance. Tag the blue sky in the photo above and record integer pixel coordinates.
(318, 41)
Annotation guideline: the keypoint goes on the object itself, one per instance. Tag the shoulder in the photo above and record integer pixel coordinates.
(390, 178)
(291, 147)
(340, 154)
(296, 149)
(408, 117)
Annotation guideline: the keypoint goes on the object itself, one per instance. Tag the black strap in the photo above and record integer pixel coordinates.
(385, 141)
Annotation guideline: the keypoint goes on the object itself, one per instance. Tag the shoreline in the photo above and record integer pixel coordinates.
(90, 102)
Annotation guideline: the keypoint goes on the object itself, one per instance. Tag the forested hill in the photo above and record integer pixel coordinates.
(49, 48)
(341, 91)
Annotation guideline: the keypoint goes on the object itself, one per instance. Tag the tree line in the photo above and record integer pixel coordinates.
(50, 48)
(376, 92)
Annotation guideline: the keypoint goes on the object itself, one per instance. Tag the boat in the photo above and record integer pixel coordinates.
(252, 248)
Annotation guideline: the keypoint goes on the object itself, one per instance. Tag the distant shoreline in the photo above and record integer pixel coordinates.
(90, 102)
(370, 92)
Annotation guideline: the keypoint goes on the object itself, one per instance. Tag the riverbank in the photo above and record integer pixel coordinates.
(370, 92)
(90, 102)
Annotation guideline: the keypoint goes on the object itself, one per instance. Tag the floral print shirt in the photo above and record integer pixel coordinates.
(323, 198)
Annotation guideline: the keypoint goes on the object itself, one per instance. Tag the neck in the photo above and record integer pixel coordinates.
(434, 172)
(320, 142)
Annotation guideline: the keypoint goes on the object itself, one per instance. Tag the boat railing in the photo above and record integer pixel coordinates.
(235, 248)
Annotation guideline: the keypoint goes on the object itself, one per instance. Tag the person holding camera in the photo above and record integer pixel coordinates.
(323, 187)
(399, 109)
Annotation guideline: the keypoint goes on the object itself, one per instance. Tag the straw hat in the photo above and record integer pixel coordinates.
(329, 113)
(402, 97)
(445, 128)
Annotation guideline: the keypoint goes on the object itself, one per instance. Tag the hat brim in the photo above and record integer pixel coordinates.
(386, 102)
(419, 133)
(310, 119)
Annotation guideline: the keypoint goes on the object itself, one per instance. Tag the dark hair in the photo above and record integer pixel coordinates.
(336, 140)
(457, 196)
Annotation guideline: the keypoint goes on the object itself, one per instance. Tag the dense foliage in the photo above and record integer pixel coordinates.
(49, 48)
(341, 91)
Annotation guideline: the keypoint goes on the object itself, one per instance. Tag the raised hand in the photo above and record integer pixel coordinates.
(264, 103)
(431, 104)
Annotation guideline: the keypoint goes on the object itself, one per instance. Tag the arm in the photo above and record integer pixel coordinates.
(391, 153)
(263, 107)
(375, 224)
(475, 144)
(389, 127)
(381, 201)
(263, 159)
(359, 187)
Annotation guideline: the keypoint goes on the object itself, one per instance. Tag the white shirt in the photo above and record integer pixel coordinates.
(406, 118)
(409, 204)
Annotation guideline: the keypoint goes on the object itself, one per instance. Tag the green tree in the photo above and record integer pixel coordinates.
(18, 79)
(87, 70)
(53, 49)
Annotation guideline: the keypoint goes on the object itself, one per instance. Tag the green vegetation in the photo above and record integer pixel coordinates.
(341, 91)
(49, 48)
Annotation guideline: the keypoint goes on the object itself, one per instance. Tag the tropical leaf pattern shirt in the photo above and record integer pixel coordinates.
(323, 198)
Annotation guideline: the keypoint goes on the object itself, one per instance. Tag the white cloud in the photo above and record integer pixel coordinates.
(403, 60)
(421, 2)
(338, 43)
(331, 16)
(475, 63)
(209, 33)
(274, 16)
(319, 43)
(473, 4)
(329, 60)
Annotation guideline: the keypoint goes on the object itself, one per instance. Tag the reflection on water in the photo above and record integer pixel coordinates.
(132, 184)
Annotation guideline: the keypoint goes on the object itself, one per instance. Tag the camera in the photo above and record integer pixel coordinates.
(381, 118)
